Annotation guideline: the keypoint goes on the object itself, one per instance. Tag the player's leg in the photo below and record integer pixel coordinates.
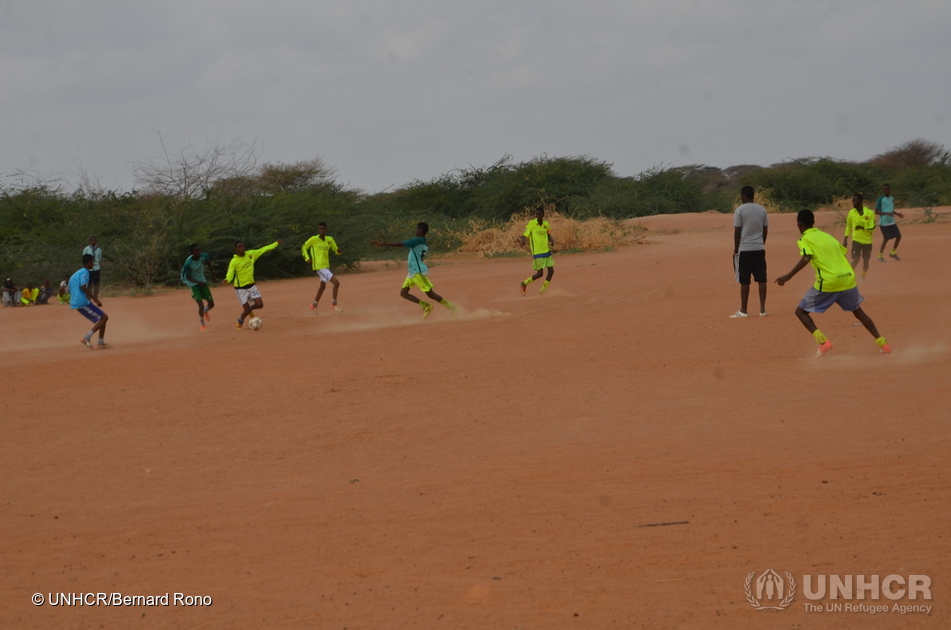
(201, 312)
(816, 302)
(866, 256)
(744, 297)
(336, 290)
(438, 298)
(406, 295)
(320, 291)
(762, 298)
(548, 275)
(881, 250)
(870, 327)
(894, 252)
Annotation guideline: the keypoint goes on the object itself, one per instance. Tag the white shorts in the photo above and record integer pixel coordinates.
(246, 295)
(324, 274)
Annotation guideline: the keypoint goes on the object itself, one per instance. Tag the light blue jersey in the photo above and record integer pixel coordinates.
(886, 206)
(77, 297)
(417, 252)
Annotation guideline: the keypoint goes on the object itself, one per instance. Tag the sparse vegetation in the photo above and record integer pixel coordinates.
(218, 194)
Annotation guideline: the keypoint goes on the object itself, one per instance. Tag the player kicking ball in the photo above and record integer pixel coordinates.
(835, 282)
(316, 251)
(417, 271)
(538, 236)
(81, 299)
(193, 275)
(241, 275)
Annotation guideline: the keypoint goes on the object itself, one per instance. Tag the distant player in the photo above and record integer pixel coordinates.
(63, 293)
(885, 209)
(193, 275)
(860, 225)
(95, 276)
(241, 275)
(750, 229)
(835, 282)
(538, 237)
(316, 251)
(417, 273)
(81, 299)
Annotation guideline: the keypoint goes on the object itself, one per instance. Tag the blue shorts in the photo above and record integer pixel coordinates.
(816, 301)
(91, 312)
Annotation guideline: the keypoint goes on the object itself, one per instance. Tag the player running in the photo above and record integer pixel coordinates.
(417, 271)
(835, 282)
(540, 240)
(241, 274)
(316, 251)
(885, 209)
(193, 275)
(860, 224)
(81, 299)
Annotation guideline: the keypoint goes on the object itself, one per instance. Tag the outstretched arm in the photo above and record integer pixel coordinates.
(799, 265)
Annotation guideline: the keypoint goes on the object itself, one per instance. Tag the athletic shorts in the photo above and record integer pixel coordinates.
(95, 276)
(324, 274)
(746, 264)
(816, 301)
(543, 263)
(91, 312)
(248, 294)
(861, 249)
(890, 231)
(420, 281)
(201, 292)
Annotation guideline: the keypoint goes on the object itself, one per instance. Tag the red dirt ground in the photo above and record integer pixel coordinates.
(494, 469)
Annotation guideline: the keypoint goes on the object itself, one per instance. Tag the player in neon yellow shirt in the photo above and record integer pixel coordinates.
(835, 282)
(860, 224)
(538, 237)
(316, 251)
(241, 274)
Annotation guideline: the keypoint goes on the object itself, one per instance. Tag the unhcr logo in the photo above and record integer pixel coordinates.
(770, 591)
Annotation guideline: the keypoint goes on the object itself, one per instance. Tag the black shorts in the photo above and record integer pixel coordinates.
(861, 249)
(890, 231)
(751, 264)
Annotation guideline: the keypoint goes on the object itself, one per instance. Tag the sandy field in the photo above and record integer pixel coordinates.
(616, 453)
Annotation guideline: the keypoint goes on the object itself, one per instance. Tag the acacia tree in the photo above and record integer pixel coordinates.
(193, 171)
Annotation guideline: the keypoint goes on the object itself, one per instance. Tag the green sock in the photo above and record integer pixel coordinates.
(545, 284)
(880, 342)
(423, 304)
(819, 336)
(448, 304)
(528, 282)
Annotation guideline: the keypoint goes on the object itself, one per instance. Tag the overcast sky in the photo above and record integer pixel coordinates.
(391, 91)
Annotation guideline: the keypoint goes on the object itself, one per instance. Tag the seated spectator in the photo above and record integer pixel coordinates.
(64, 291)
(29, 295)
(46, 292)
(10, 291)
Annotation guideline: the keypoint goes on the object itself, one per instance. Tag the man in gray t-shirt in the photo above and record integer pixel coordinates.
(750, 226)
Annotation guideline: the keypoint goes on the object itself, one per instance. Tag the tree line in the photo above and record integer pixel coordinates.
(219, 194)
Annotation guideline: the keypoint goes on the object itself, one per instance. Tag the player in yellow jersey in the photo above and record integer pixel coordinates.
(241, 274)
(538, 237)
(835, 282)
(859, 224)
(316, 251)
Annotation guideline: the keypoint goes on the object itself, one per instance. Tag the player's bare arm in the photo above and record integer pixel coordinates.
(799, 265)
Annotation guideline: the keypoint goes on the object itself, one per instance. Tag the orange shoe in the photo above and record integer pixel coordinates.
(823, 348)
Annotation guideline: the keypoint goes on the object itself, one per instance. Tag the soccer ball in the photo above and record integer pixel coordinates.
(255, 323)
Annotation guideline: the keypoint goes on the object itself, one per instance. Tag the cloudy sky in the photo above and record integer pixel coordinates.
(391, 91)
